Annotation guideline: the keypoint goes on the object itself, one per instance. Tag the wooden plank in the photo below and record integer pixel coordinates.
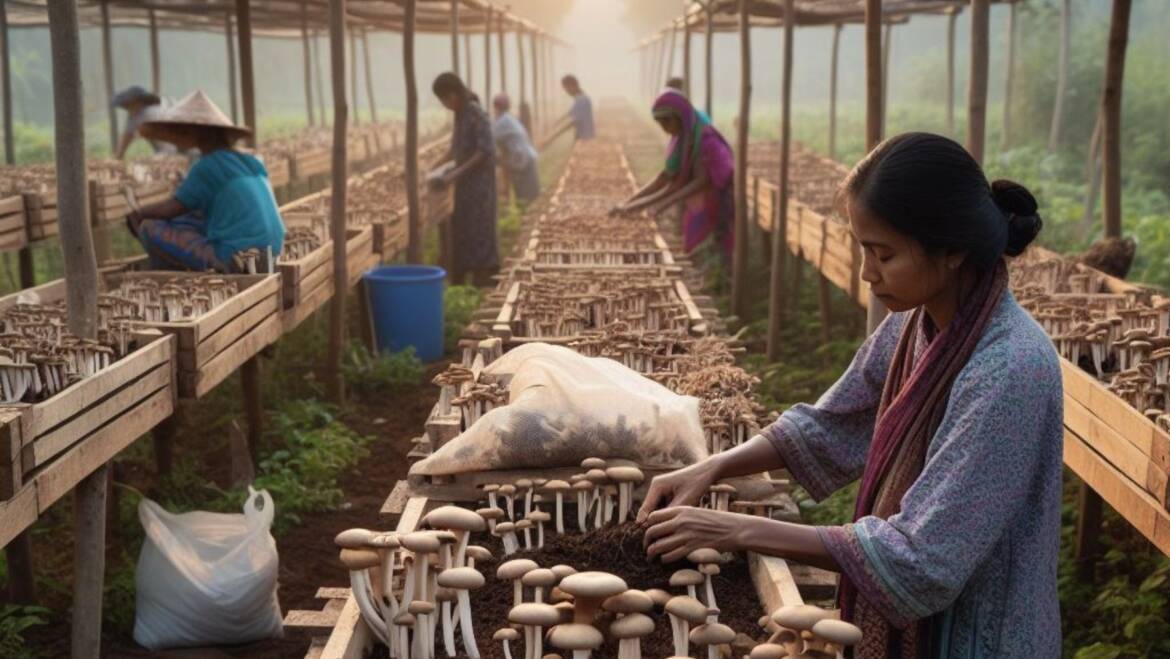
(255, 288)
(292, 318)
(58, 478)
(324, 620)
(190, 360)
(18, 513)
(332, 593)
(1124, 420)
(314, 279)
(396, 502)
(198, 383)
(351, 638)
(293, 272)
(12, 205)
(1125, 456)
(773, 581)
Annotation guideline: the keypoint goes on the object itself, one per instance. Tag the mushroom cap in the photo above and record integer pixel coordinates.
(837, 631)
(505, 527)
(575, 636)
(712, 633)
(552, 656)
(480, 554)
(490, 513)
(687, 608)
(625, 474)
(705, 555)
(523, 524)
(538, 515)
(507, 490)
(539, 578)
(631, 601)
(359, 559)
(404, 619)
(583, 485)
(725, 488)
(461, 578)
(563, 570)
(421, 607)
(556, 486)
(799, 616)
(658, 596)
(385, 541)
(534, 615)
(593, 463)
(709, 569)
(596, 476)
(445, 595)
(556, 595)
(593, 585)
(632, 625)
(515, 568)
(768, 651)
(506, 634)
(491, 487)
(446, 537)
(524, 484)
(420, 542)
(354, 538)
(454, 517)
(686, 578)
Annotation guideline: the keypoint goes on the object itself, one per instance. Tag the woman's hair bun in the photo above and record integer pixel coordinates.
(1021, 209)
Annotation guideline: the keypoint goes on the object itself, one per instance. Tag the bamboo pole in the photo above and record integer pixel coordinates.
(155, 64)
(337, 216)
(501, 37)
(686, 73)
(233, 99)
(353, 76)
(1009, 79)
(247, 74)
(89, 509)
(319, 79)
(777, 302)
(487, 55)
(414, 235)
(977, 80)
(887, 46)
(537, 110)
(834, 65)
(455, 38)
(1111, 116)
(108, 73)
(369, 73)
(1057, 125)
(6, 74)
(306, 53)
(875, 311)
(670, 55)
(952, 18)
(525, 111)
(709, 40)
(740, 253)
(467, 59)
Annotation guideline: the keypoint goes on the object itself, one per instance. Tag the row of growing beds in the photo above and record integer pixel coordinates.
(495, 563)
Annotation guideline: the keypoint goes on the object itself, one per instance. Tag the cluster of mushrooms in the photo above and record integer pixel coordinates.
(302, 240)
(175, 299)
(815, 179)
(1121, 338)
(569, 303)
(39, 357)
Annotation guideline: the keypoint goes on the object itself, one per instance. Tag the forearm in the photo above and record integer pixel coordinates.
(467, 165)
(163, 210)
(752, 457)
(799, 542)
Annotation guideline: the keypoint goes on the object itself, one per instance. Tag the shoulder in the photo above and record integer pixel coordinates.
(1014, 352)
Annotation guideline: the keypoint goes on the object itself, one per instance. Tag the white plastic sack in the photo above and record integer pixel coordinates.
(565, 408)
(207, 578)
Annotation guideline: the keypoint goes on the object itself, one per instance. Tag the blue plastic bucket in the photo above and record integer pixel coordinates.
(407, 304)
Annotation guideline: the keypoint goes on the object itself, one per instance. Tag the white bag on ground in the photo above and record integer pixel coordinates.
(564, 408)
(207, 578)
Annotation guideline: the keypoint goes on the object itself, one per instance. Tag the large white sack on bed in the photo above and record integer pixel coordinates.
(565, 408)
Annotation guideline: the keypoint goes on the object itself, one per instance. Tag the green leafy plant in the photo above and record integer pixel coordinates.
(15, 620)
(459, 302)
(380, 371)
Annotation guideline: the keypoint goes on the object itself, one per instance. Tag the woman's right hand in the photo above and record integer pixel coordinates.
(682, 487)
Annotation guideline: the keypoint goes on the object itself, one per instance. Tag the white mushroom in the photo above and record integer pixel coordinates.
(589, 590)
(629, 630)
(688, 579)
(712, 635)
(505, 636)
(462, 580)
(579, 638)
(626, 478)
(507, 531)
(534, 617)
(513, 571)
(559, 487)
(684, 611)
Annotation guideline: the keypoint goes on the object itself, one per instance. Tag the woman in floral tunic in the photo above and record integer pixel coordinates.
(473, 221)
(950, 415)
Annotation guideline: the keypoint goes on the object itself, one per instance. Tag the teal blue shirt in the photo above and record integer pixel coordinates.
(230, 189)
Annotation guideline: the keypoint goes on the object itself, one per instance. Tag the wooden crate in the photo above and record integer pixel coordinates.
(46, 448)
(41, 215)
(279, 172)
(310, 163)
(213, 346)
(13, 224)
(301, 278)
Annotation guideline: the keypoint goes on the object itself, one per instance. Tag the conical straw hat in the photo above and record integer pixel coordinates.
(196, 110)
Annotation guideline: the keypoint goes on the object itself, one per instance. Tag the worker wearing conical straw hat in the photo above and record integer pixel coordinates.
(223, 207)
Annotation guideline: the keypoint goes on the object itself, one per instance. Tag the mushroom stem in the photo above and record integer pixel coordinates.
(465, 629)
(360, 585)
(509, 502)
(560, 517)
(710, 593)
(597, 515)
(581, 510)
(679, 649)
(507, 649)
(540, 535)
(582, 654)
(624, 501)
(448, 630)
(528, 504)
(528, 538)
(517, 593)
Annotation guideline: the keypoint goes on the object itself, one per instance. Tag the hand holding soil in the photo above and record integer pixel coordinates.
(676, 532)
(683, 487)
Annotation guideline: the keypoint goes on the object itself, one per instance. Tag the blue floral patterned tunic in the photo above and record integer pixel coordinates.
(976, 542)
(473, 219)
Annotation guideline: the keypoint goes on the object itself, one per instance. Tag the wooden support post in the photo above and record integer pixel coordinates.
(523, 110)
(669, 56)
(108, 73)
(887, 45)
(686, 72)
(467, 60)
(1056, 127)
(501, 37)
(952, 18)
(77, 248)
(6, 74)
(253, 410)
(337, 216)
(1009, 79)
(307, 55)
(1092, 178)
(233, 86)
(487, 56)
(163, 436)
(320, 79)
(739, 297)
(824, 301)
(1088, 531)
(22, 585)
(537, 110)
(977, 79)
(369, 73)
(797, 283)
(875, 311)
(708, 45)
(834, 66)
(155, 59)
(454, 10)
(353, 77)
(247, 73)
(414, 235)
(776, 301)
(1111, 117)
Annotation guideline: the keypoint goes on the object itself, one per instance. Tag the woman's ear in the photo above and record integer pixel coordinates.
(955, 260)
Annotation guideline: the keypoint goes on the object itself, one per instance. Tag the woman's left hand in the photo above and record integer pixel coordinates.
(675, 532)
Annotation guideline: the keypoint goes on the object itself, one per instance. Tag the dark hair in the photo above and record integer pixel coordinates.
(448, 83)
(930, 188)
(570, 79)
(675, 82)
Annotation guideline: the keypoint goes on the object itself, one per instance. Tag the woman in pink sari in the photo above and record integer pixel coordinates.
(699, 173)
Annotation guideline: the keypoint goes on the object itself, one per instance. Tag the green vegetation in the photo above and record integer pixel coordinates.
(15, 620)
